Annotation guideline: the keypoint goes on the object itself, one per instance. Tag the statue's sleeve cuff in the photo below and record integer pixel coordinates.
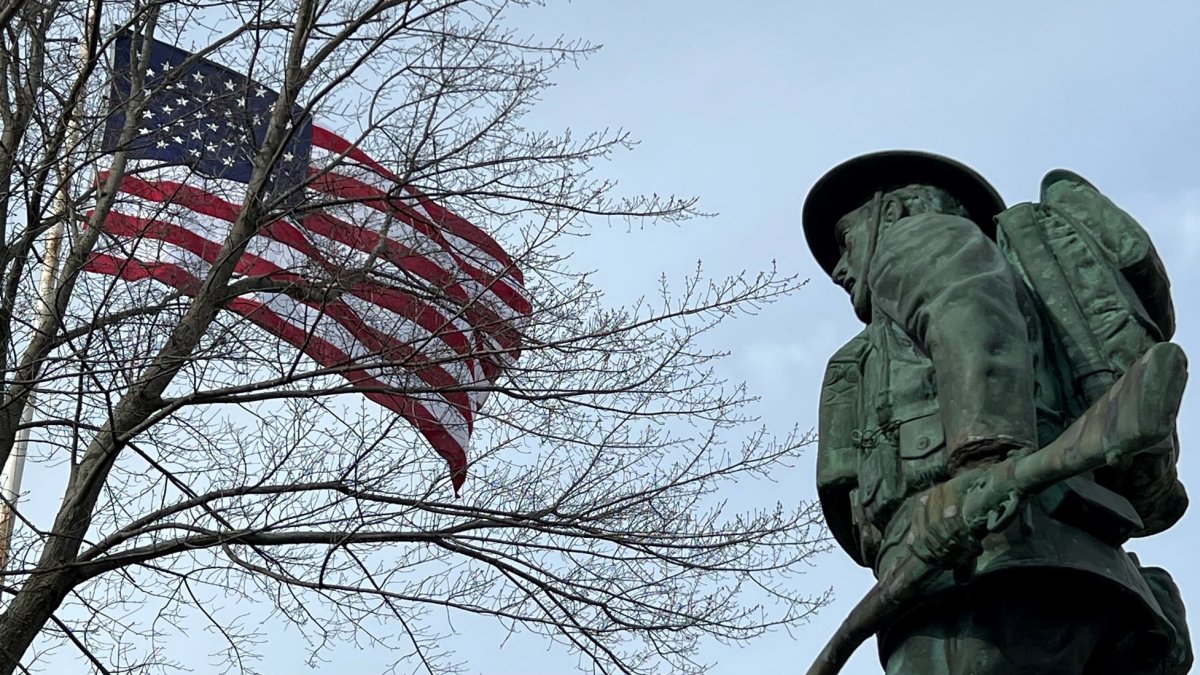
(970, 452)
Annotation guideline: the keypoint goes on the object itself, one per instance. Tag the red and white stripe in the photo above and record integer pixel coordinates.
(437, 318)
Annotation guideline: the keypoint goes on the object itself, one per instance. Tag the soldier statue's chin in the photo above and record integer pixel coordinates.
(860, 298)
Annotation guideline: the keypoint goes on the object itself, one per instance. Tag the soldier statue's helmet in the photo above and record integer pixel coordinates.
(854, 182)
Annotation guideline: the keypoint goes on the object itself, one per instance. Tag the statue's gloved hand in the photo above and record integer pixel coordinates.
(938, 534)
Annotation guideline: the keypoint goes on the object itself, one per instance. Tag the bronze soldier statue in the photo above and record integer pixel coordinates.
(968, 360)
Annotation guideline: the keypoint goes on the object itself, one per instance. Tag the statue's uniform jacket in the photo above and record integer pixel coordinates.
(954, 362)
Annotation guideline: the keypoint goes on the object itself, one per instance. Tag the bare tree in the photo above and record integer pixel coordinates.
(207, 466)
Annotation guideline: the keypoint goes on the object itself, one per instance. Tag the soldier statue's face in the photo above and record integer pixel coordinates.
(855, 239)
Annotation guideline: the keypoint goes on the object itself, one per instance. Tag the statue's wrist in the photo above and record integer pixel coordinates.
(980, 452)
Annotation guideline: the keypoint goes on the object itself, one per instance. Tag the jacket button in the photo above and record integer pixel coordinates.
(923, 443)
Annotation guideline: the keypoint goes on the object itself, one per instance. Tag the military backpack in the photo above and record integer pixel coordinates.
(1101, 288)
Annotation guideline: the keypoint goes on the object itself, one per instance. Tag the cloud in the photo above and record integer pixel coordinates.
(797, 359)
(1178, 235)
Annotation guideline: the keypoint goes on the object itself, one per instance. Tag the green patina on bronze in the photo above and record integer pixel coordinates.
(989, 332)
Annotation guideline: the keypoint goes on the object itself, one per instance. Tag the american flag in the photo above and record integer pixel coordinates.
(418, 308)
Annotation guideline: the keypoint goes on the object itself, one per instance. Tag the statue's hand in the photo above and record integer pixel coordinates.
(938, 534)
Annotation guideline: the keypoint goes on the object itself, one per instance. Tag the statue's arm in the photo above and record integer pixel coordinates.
(952, 291)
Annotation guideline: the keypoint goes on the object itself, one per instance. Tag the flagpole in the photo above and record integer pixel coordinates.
(14, 468)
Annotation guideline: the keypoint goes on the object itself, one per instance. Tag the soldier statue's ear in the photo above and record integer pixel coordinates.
(892, 208)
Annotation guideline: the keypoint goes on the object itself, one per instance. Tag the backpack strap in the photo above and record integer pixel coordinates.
(1022, 238)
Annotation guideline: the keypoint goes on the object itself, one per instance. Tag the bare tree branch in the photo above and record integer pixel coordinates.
(215, 476)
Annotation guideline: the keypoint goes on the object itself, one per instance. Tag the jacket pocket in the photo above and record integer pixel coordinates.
(922, 444)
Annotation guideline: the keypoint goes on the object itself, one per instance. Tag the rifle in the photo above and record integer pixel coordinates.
(1138, 413)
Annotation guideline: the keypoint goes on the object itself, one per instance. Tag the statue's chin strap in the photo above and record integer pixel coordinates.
(874, 225)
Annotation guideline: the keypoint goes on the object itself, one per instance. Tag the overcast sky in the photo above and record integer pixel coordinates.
(746, 104)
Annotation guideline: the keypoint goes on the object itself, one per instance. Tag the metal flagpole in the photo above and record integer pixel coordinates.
(14, 468)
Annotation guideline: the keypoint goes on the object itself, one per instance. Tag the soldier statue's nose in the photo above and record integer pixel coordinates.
(840, 270)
